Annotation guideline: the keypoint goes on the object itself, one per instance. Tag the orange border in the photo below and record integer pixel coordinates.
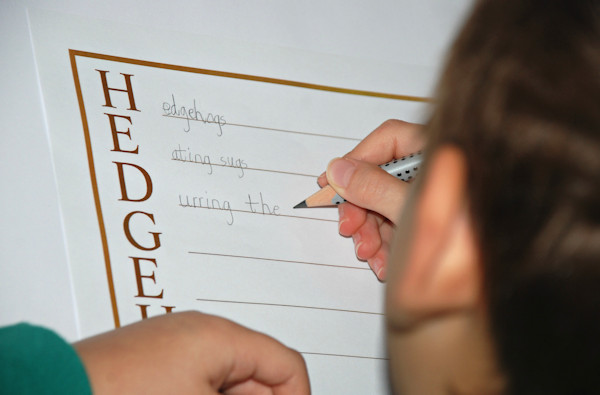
(72, 55)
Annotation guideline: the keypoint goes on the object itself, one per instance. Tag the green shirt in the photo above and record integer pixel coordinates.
(35, 360)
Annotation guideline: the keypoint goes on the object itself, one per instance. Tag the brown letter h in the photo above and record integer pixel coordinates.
(106, 89)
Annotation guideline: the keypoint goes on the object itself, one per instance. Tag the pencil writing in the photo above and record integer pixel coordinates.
(170, 108)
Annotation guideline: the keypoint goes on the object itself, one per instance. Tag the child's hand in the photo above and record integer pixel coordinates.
(194, 353)
(377, 197)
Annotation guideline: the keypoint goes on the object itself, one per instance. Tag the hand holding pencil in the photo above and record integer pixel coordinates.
(375, 197)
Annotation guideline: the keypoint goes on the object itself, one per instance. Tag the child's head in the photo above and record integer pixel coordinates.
(497, 266)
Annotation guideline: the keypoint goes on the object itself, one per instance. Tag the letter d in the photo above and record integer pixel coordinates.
(173, 106)
(124, 195)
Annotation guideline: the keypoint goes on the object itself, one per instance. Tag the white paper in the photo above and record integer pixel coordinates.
(186, 201)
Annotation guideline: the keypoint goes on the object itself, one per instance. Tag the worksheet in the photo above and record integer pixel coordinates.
(179, 161)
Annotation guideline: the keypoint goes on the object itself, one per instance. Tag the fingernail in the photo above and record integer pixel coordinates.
(356, 247)
(377, 267)
(356, 238)
(381, 273)
(341, 210)
(340, 227)
(321, 180)
(340, 171)
(341, 217)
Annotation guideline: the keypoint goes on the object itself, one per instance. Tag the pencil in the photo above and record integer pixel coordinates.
(404, 168)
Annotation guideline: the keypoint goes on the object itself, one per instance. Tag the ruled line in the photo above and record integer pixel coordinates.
(294, 132)
(258, 213)
(246, 168)
(343, 355)
(278, 260)
(266, 128)
(289, 306)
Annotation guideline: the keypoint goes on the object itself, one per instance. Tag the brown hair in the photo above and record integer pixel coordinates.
(521, 98)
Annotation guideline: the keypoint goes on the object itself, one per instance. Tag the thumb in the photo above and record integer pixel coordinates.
(368, 186)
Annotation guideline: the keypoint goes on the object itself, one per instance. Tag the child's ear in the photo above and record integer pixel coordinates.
(440, 272)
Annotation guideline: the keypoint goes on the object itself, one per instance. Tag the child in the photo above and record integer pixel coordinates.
(494, 276)
(494, 279)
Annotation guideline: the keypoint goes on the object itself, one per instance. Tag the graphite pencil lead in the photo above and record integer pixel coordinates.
(302, 204)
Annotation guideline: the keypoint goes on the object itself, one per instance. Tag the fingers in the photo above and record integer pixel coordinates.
(377, 197)
(371, 234)
(259, 361)
(367, 239)
(351, 218)
(367, 186)
(391, 140)
(248, 387)
(379, 261)
(191, 352)
(322, 180)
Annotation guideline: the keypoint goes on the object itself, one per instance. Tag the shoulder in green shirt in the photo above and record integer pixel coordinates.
(35, 360)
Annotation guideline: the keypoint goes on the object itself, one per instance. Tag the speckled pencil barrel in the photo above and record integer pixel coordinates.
(404, 168)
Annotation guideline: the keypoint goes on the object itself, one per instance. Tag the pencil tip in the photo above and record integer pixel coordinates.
(302, 204)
